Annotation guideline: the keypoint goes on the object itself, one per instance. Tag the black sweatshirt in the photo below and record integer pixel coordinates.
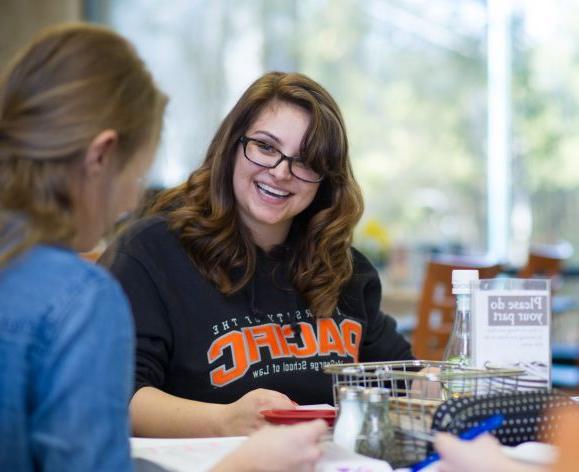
(196, 343)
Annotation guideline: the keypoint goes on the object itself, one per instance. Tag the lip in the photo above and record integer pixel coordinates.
(257, 183)
(269, 199)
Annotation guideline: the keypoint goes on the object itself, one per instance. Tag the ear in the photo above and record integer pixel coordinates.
(99, 152)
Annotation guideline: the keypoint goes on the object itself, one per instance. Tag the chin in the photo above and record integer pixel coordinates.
(271, 220)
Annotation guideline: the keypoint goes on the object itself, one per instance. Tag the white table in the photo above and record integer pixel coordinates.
(185, 455)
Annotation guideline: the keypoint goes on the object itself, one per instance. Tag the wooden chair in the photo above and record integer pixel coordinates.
(546, 261)
(436, 305)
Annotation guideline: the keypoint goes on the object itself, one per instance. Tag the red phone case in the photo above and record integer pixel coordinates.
(299, 416)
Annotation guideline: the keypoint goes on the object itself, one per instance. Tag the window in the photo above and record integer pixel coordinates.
(411, 79)
(546, 123)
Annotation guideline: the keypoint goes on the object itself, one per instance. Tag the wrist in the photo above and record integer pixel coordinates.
(224, 416)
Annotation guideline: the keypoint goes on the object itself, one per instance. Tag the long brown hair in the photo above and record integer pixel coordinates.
(69, 84)
(203, 209)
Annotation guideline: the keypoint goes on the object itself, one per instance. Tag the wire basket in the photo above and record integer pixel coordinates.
(417, 389)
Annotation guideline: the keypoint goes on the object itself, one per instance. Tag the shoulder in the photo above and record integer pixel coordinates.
(361, 294)
(364, 275)
(149, 228)
(52, 270)
(362, 265)
(53, 282)
(365, 278)
(148, 237)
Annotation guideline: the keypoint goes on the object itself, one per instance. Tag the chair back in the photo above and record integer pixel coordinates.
(546, 260)
(436, 306)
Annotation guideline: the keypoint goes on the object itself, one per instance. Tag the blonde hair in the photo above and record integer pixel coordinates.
(202, 211)
(69, 84)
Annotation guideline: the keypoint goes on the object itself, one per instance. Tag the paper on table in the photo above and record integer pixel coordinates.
(185, 455)
(532, 452)
(180, 455)
(535, 453)
(338, 459)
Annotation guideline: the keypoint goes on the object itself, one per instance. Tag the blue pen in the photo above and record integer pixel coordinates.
(492, 422)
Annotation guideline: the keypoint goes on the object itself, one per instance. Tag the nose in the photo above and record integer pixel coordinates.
(281, 171)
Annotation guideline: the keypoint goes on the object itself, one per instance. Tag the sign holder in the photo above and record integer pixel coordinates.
(511, 327)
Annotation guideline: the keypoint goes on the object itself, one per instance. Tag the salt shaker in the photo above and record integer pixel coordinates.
(376, 437)
(350, 417)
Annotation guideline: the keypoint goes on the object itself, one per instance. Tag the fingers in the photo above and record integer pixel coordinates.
(444, 442)
(273, 400)
(245, 413)
(451, 452)
(281, 403)
(481, 454)
(309, 435)
(293, 448)
(309, 457)
(426, 389)
(312, 430)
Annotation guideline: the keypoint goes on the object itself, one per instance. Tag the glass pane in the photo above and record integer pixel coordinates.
(409, 75)
(546, 124)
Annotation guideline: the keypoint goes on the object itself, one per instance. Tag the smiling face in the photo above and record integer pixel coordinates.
(269, 199)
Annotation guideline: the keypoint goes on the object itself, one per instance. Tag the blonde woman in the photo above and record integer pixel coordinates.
(79, 123)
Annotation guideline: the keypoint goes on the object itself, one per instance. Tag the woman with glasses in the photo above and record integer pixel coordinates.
(243, 282)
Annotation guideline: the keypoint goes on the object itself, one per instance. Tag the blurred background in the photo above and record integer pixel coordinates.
(416, 81)
(463, 115)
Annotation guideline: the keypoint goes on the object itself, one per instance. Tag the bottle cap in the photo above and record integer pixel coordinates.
(350, 392)
(461, 280)
(377, 395)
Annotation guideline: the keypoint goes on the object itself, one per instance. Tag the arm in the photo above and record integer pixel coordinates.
(156, 413)
(383, 343)
(82, 380)
(381, 340)
(278, 449)
(567, 432)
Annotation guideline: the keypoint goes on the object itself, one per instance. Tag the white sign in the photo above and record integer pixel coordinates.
(511, 327)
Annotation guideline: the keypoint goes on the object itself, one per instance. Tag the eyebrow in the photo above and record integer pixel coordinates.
(268, 134)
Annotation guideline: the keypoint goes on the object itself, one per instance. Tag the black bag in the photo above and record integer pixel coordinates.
(529, 416)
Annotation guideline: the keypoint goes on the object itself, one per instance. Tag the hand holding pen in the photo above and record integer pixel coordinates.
(487, 425)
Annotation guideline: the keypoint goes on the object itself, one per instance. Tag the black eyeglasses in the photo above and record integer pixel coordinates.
(266, 155)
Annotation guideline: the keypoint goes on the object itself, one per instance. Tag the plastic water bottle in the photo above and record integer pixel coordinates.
(459, 349)
(350, 417)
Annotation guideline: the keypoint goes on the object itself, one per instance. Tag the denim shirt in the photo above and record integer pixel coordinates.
(66, 365)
